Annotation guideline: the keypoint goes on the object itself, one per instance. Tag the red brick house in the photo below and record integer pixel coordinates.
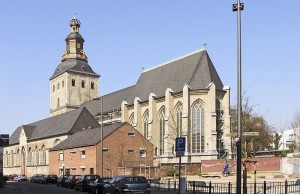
(124, 149)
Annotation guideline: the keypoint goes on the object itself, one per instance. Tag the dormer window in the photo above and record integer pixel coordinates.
(83, 68)
(73, 82)
(83, 84)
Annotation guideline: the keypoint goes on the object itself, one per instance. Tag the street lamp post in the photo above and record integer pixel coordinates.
(239, 7)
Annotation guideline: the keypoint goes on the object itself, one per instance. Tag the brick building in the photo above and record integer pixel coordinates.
(124, 148)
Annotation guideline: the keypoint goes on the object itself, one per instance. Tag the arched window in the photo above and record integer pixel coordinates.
(58, 86)
(83, 84)
(37, 156)
(23, 157)
(162, 132)
(145, 124)
(57, 102)
(178, 109)
(92, 85)
(29, 157)
(63, 84)
(131, 119)
(43, 158)
(73, 82)
(197, 128)
(12, 158)
(18, 158)
(7, 159)
(53, 88)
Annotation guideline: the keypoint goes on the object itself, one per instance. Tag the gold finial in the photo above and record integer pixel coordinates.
(204, 45)
(75, 15)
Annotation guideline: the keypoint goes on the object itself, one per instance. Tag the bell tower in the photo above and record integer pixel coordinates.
(73, 81)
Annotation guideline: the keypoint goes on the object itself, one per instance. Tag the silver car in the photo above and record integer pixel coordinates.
(21, 177)
(125, 184)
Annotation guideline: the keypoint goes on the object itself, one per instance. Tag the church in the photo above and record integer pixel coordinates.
(183, 97)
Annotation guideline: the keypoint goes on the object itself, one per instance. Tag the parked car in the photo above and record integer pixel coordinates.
(38, 178)
(11, 177)
(82, 184)
(124, 184)
(61, 180)
(22, 177)
(97, 185)
(71, 180)
(53, 178)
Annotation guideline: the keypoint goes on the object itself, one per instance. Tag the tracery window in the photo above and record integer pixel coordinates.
(162, 132)
(197, 128)
(145, 124)
(131, 119)
(178, 109)
(43, 157)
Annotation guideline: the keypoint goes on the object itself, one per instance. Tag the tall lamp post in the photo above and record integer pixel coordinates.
(239, 7)
(101, 135)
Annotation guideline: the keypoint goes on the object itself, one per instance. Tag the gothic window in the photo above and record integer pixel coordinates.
(178, 109)
(37, 156)
(29, 157)
(73, 82)
(83, 84)
(18, 158)
(58, 86)
(197, 128)
(161, 118)
(63, 84)
(57, 102)
(131, 119)
(12, 158)
(145, 124)
(7, 159)
(43, 158)
(53, 88)
(92, 85)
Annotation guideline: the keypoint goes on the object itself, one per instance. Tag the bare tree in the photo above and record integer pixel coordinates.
(296, 129)
(251, 122)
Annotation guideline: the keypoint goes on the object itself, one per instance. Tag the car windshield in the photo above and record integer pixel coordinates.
(99, 181)
(129, 180)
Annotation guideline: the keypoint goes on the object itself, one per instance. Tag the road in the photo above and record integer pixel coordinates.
(27, 187)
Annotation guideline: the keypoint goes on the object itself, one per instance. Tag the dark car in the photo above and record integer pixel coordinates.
(125, 184)
(35, 178)
(97, 185)
(83, 183)
(48, 179)
(38, 178)
(71, 180)
(61, 180)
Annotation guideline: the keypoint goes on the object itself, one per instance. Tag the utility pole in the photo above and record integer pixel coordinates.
(239, 7)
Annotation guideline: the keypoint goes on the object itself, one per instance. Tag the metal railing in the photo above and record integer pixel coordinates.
(197, 187)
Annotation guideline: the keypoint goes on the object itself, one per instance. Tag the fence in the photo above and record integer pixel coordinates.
(198, 187)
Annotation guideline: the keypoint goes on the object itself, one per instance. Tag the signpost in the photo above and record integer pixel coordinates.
(180, 149)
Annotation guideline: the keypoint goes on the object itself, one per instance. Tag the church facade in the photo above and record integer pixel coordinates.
(184, 97)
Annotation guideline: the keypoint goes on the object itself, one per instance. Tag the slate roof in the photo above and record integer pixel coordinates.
(66, 123)
(73, 65)
(87, 137)
(195, 69)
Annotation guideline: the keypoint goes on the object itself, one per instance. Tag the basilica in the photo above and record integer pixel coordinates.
(183, 97)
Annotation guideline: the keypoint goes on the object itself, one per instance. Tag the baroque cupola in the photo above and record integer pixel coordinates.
(74, 42)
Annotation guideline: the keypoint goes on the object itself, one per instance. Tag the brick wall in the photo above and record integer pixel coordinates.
(122, 153)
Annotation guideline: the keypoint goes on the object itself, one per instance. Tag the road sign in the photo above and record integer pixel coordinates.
(180, 146)
(250, 134)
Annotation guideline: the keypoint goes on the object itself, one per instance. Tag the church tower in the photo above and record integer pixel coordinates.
(73, 81)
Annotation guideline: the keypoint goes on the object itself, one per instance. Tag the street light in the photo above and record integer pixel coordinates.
(101, 135)
(239, 7)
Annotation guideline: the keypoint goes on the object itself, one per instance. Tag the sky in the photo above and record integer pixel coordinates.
(123, 37)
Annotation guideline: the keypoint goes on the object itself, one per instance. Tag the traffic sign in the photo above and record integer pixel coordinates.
(180, 144)
(250, 133)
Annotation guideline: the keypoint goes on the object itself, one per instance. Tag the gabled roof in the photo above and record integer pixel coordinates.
(195, 69)
(87, 137)
(66, 123)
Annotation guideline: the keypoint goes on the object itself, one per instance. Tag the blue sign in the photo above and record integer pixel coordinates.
(180, 144)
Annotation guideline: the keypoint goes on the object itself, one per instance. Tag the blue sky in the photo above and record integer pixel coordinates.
(124, 36)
